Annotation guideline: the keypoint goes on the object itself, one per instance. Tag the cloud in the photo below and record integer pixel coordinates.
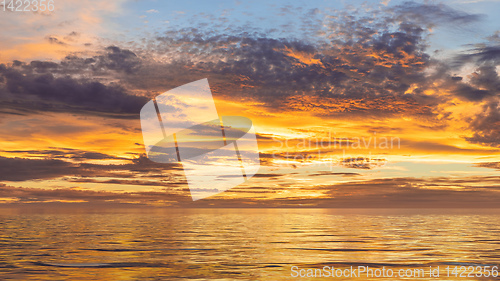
(467, 191)
(481, 87)
(32, 195)
(24, 169)
(486, 125)
(480, 55)
(484, 82)
(369, 65)
(363, 163)
(334, 174)
(24, 35)
(492, 165)
(413, 192)
(294, 75)
(433, 14)
(54, 40)
(118, 59)
(405, 192)
(20, 169)
(65, 153)
(365, 64)
(373, 64)
(48, 86)
(155, 183)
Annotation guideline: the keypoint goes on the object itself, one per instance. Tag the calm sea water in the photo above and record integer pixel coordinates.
(244, 244)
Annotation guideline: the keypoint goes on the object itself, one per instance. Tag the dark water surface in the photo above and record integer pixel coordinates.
(245, 244)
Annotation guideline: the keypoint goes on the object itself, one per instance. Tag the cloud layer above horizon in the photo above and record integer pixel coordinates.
(70, 125)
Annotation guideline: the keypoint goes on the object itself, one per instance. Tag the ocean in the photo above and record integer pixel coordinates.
(248, 244)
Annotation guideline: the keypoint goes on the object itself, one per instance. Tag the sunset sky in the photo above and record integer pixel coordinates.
(354, 103)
